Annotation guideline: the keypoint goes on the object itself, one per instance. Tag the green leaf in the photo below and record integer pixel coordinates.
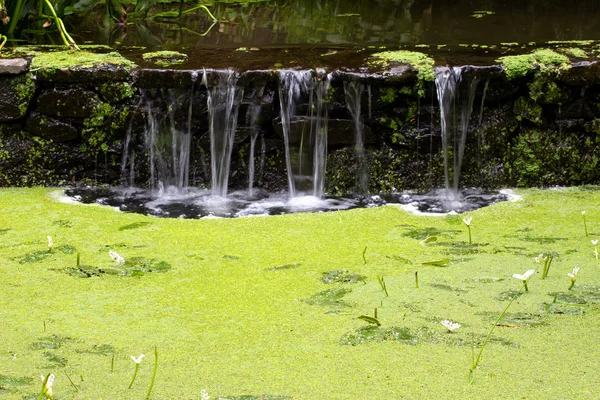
(437, 263)
(429, 239)
(370, 320)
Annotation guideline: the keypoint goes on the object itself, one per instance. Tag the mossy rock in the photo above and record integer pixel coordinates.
(165, 58)
(81, 67)
(520, 65)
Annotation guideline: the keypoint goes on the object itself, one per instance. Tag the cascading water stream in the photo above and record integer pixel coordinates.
(223, 105)
(167, 139)
(454, 133)
(305, 137)
(252, 118)
(353, 92)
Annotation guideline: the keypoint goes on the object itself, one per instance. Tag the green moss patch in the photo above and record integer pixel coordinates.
(78, 59)
(521, 65)
(165, 58)
(420, 62)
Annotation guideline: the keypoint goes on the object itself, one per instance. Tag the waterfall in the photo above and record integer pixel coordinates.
(305, 136)
(167, 137)
(454, 133)
(251, 119)
(223, 105)
(353, 92)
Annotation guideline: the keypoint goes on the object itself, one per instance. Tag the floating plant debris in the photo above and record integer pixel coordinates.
(102, 349)
(341, 276)
(285, 266)
(134, 266)
(329, 297)
(51, 343)
(34, 257)
(10, 382)
(55, 360)
(374, 333)
(134, 225)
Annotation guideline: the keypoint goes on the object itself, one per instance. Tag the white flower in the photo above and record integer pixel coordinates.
(450, 325)
(137, 360)
(594, 242)
(525, 276)
(573, 275)
(583, 213)
(539, 259)
(467, 221)
(50, 243)
(48, 386)
(204, 395)
(116, 257)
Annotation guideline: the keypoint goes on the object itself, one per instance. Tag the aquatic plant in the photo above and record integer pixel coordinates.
(546, 259)
(584, 223)
(467, 222)
(46, 391)
(451, 326)
(383, 285)
(50, 244)
(137, 362)
(573, 277)
(524, 277)
(417, 279)
(595, 244)
(475, 360)
(153, 373)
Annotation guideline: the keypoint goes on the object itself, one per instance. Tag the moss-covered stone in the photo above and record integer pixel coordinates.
(116, 92)
(15, 95)
(81, 66)
(420, 62)
(165, 58)
(528, 110)
(104, 126)
(521, 65)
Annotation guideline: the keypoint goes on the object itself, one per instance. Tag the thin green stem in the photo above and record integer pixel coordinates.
(469, 228)
(202, 7)
(153, 372)
(61, 28)
(137, 367)
(3, 39)
(43, 390)
(15, 18)
(572, 284)
(72, 384)
(585, 225)
(475, 361)
(364, 255)
(417, 279)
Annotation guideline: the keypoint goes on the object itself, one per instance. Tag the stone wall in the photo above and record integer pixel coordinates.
(64, 126)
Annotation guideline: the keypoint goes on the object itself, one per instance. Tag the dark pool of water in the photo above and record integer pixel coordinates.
(196, 203)
(323, 23)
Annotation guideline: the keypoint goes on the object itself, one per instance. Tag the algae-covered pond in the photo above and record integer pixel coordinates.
(284, 306)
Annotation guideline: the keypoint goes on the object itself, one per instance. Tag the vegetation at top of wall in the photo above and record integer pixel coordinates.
(519, 66)
(165, 58)
(78, 59)
(420, 62)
